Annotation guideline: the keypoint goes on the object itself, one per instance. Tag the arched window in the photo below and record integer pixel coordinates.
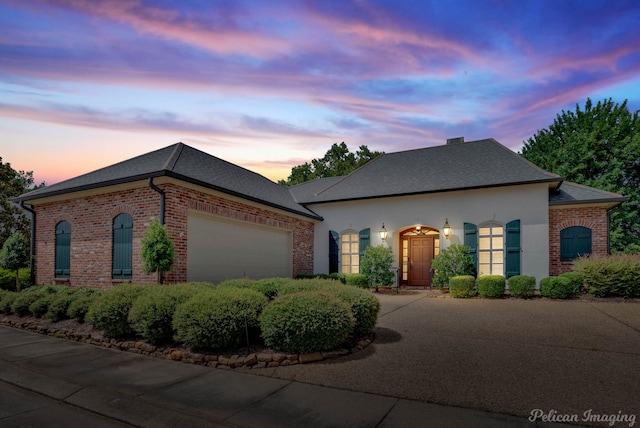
(63, 250)
(350, 252)
(491, 249)
(575, 241)
(122, 246)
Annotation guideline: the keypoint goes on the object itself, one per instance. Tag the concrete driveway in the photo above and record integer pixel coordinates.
(508, 356)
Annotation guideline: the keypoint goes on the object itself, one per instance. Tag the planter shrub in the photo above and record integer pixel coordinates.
(556, 287)
(617, 275)
(575, 279)
(41, 305)
(6, 301)
(522, 285)
(59, 305)
(491, 285)
(79, 308)
(217, 318)
(363, 304)
(306, 322)
(21, 305)
(110, 311)
(356, 279)
(462, 286)
(454, 260)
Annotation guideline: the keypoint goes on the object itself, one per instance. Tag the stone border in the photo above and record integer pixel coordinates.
(264, 358)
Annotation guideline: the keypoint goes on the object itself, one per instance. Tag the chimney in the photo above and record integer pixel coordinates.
(455, 140)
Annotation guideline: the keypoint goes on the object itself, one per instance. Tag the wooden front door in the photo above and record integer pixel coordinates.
(420, 257)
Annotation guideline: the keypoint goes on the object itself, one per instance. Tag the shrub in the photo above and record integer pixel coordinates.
(110, 311)
(522, 285)
(356, 279)
(22, 303)
(452, 261)
(40, 306)
(151, 314)
(217, 318)
(462, 286)
(491, 285)
(59, 305)
(79, 308)
(6, 301)
(617, 275)
(268, 287)
(376, 265)
(364, 306)
(298, 285)
(575, 279)
(306, 322)
(556, 287)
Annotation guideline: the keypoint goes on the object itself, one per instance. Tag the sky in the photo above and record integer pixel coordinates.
(269, 85)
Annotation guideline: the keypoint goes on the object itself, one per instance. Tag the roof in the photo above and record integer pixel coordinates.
(455, 166)
(573, 193)
(184, 163)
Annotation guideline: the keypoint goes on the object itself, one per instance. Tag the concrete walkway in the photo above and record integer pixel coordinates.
(435, 362)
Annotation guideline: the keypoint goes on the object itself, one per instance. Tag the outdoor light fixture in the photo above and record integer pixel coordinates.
(446, 229)
(383, 233)
(418, 229)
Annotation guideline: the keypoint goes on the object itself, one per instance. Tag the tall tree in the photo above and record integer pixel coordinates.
(15, 254)
(336, 162)
(13, 183)
(598, 146)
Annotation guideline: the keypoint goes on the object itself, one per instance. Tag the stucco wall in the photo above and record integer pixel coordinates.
(91, 218)
(529, 203)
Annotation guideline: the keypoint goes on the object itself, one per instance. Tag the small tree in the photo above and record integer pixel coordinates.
(157, 250)
(376, 266)
(452, 261)
(15, 254)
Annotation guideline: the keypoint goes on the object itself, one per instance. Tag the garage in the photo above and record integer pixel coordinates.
(220, 248)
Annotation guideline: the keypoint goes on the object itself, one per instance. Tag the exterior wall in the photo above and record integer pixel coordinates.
(91, 220)
(529, 203)
(592, 217)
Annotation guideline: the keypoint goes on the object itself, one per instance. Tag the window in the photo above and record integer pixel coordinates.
(63, 250)
(350, 252)
(491, 249)
(122, 246)
(574, 242)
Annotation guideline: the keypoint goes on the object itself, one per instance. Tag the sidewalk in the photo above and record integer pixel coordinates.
(148, 392)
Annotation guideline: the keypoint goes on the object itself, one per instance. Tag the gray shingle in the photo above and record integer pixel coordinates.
(574, 193)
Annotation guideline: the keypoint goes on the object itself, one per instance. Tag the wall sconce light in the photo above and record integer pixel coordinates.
(446, 229)
(383, 233)
(419, 230)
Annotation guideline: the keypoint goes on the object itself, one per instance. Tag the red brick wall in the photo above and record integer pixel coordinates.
(91, 220)
(594, 218)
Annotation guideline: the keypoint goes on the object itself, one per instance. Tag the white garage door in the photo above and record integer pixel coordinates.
(219, 249)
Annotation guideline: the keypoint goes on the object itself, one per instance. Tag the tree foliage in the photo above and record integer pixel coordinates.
(336, 162)
(455, 260)
(157, 250)
(15, 254)
(598, 146)
(376, 265)
(13, 183)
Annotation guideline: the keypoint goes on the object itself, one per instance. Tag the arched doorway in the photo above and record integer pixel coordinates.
(418, 245)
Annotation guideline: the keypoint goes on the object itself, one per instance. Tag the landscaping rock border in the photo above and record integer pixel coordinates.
(72, 330)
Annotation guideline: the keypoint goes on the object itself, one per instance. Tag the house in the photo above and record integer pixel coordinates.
(228, 222)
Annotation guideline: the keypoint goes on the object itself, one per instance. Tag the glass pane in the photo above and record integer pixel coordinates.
(485, 269)
(345, 247)
(405, 244)
(355, 260)
(484, 231)
(484, 257)
(355, 269)
(484, 243)
(497, 242)
(498, 256)
(355, 247)
(497, 230)
(346, 260)
(497, 269)
(354, 237)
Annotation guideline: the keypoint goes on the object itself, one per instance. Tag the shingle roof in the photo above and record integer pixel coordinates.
(188, 164)
(456, 166)
(574, 193)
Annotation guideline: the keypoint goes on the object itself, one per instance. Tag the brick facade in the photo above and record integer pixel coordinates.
(593, 217)
(91, 220)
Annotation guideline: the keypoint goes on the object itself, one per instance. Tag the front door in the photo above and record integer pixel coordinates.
(420, 257)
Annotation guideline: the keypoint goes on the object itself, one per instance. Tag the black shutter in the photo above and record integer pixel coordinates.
(513, 248)
(334, 238)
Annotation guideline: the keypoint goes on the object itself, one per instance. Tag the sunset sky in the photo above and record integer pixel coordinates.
(272, 84)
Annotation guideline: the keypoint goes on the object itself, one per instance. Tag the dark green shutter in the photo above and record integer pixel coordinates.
(334, 238)
(122, 246)
(574, 242)
(63, 250)
(471, 241)
(512, 240)
(365, 241)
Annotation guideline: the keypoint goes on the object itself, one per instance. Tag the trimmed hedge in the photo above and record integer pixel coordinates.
(556, 287)
(6, 301)
(462, 286)
(363, 304)
(306, 322)
(79, 308)
(217, 318)
(617, 275)
(110, 311)
(491, 285)
(575, 279)
(522, 285)
(8, 279)
(357, 279)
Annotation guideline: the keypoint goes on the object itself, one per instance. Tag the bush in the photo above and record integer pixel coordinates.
(298, 285)
(376, 265)
(491, 285)
(452, 261)
(151, 315)
(364, 306)
(575, 279)
(617, 275)
(462, 286)
(217, 318)
(22, 303)
(79, 308)
(556, 287)
(356, 279)
(306, 322)
(8, 278)
(58, 306)
(268, 286)
(110, 311)
(522, 286)
(40, 306)
(6, 301)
